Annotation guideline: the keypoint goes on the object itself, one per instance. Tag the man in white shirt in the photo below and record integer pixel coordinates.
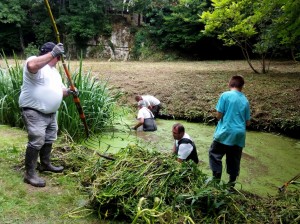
(42, 92)
(145, 118)
(184, 146)
(151, 102)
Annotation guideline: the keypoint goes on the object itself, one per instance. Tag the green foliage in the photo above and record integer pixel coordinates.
(85, 20)
(77, 22)
(145, 48)
(31, 49)
(261, 26)
(13, 17)
(98, 102)
(175, 26)
(181, 28)
(146, 6)
(285, 23)
(119, 186)
(138, 50)
(11, 11)
(10, 86)
(231, 21)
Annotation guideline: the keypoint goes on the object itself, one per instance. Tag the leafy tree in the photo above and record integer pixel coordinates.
(255, 26)
(40, 22)
(12, 18)
(23, 22)
(181, 27)
(232, 22)
(262, 27)
(146, 6)
(84, 20)
(77, 21)
(175, 25)
(286, 24)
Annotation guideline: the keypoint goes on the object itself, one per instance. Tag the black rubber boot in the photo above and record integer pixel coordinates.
(231, 182)
(217, 176)
(45, 160)
(30, 176)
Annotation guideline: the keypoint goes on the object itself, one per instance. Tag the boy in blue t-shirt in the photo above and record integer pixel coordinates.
(233, 114)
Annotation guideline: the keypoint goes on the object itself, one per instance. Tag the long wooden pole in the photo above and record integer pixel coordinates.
(72, 87)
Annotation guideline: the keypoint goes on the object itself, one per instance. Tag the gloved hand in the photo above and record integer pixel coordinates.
(58, 50)
(73, 92)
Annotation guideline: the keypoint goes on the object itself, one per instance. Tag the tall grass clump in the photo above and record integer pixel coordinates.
(97, 100)
(10, 86)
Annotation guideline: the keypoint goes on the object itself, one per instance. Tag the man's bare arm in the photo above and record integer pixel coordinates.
(39, 62)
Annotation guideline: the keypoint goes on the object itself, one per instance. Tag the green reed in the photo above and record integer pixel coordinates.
(97, 99)
(10, 86)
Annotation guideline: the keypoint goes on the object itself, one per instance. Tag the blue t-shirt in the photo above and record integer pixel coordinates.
(231, 129)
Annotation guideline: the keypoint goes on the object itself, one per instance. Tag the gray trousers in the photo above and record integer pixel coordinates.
(233, 158)
(41, 128)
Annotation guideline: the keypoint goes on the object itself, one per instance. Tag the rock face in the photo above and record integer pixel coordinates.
(115, 47)
(119, 44)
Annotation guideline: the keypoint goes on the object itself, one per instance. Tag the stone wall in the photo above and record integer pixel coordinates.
(118, 45)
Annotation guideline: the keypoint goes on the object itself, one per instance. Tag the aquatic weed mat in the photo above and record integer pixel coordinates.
(147, 186)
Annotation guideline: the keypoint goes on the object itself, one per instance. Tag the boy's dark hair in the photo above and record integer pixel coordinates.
(236, 81)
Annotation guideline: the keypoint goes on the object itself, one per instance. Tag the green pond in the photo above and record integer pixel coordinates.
(268, 160)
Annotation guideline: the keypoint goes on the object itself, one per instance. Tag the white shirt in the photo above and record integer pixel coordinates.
(185, 149)
(145, 113)
(150, 100)
(41, 91)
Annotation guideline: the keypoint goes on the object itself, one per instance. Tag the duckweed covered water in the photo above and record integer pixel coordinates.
(268, 160)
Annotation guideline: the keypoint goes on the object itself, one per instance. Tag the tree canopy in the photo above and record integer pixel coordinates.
(260, 28)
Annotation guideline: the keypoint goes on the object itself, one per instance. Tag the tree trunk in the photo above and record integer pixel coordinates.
(293, 54)
(246, 56)
(139, 19)
(21, 38)
(263, 64)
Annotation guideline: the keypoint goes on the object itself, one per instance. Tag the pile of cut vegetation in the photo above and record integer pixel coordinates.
(142, 186)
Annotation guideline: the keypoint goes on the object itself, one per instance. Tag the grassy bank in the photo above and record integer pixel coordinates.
(22, 203)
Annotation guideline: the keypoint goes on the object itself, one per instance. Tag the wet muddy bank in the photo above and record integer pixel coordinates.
(284, 127)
